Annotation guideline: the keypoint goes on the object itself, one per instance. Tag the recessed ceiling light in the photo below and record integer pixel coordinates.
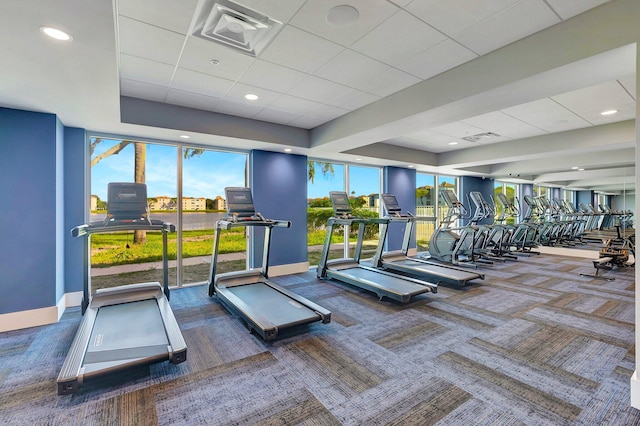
(410, 166)
(56, 33)
(214, 62)
(580, 169)
(185, 136)
(288, 150)
(609, 112)
(358, 159)
(251, 97)
(574, 168)
(453, 143)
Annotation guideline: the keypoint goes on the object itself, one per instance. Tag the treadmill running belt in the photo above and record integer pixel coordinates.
(281, 310)
(437, 270)
(145, 335)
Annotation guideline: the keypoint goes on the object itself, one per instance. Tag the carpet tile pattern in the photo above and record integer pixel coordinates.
(532, 344)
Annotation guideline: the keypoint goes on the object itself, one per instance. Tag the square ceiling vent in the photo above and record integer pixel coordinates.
(235, 26)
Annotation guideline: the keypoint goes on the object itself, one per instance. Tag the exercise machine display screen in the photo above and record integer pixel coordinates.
(240, 202)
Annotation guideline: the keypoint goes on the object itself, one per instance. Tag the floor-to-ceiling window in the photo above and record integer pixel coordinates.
(362, 184)
(426, 202)
(185, 186)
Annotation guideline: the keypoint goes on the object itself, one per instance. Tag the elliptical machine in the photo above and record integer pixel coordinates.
(449, 244)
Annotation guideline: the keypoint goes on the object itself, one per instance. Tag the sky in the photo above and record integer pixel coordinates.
(207, 175)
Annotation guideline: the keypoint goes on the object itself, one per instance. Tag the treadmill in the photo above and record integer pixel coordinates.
(128, 325)
(266, 308)
(350, 271)
(399, 261)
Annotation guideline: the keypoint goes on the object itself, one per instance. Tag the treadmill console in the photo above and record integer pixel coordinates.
(340, 203)
(391, 205)
(240, 203)
(127, 202)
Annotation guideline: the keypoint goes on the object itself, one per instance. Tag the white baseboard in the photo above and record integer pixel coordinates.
(635, 391)
(30, 318)
(293, 268)
(41, 316)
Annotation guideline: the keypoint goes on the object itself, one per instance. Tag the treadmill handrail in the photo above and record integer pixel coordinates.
(230, 223)
(100, 227)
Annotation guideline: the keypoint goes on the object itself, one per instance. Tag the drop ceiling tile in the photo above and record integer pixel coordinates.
(547, 115)
(274, 116)
(144, 70)
(518, 21)
(191, 100)
(204, 84)
(238, 109)
(305, 122)
(136, 89)
(198, 53)
(399, 38)
(401, 3)
(454, 16)
(318, 90)
(300, 50)
(312, 18)
(271, 76)
(169, 14)
(457, 129)
(437, 59)
(296, 105)
(387, 82)
(281, 11)
(589, 102)
(328, 112)
(503, 125)
(352, 69)
(237, 92)
(149, 42)
(568, 8)
(352, 99)
(629, 84)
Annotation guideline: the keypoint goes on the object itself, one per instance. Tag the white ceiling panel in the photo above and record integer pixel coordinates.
(457, 130)
(136, 89)
(146, 41)
(281, 11)
(629, 84)
(568, 8)
(352, 69)
(589, 102)
(517, 21)
(196, 82)
(305, 122)
(191, 100)
(437, 59)
(504, 125)
(547, 115)
(199, 53)
(318, 90)
(398, 39)
(239, 109)
(352, 99)
(238, 91)
(312, 17)
(271, 76)
(387, 82)
(300, 50)
(169, 14)
(294, 105)
(454, 16)
(274, 116)
(144, 70)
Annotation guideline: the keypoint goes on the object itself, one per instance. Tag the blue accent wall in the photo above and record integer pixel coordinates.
(279, 187)
(75, 249)
(28, 209)
(483, 185)
(59, 210)
(585, 197)
(402, 183)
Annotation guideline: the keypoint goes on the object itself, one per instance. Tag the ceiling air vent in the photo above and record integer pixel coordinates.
(235, 26)
(481, 136)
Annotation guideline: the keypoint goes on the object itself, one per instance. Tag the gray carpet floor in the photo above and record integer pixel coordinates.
(532, 344)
